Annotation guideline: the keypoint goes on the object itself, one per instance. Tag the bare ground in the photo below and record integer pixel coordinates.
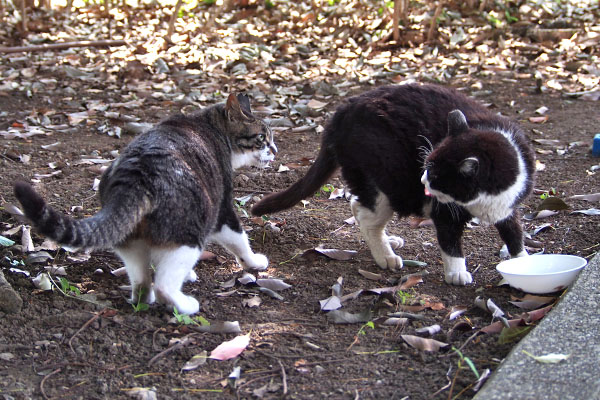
(63, 347)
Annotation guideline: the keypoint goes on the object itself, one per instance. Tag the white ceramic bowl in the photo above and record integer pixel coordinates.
(543, 273)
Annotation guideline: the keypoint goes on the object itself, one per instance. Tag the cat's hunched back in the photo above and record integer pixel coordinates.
(385, 139)
(166, 196)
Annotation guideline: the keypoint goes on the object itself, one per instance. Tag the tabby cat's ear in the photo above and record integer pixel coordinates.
(236, 109)
(457, 123)
(469, 166)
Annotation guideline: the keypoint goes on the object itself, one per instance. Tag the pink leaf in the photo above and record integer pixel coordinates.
(230, 349)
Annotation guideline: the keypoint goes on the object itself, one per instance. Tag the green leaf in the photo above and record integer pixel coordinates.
(414, 263)
(553, 203)
(509, 335)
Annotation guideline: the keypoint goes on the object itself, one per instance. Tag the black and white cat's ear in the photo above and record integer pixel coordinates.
(457, 123)
(469, 166)
(236, 109)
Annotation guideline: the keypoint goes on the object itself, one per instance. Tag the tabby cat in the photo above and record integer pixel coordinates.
(422, 150)
(166, 197)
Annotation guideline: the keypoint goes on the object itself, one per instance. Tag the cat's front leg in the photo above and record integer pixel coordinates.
(511, 233)
(449, 233)
(236, 242)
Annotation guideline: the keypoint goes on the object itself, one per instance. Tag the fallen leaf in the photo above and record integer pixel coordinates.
(489, 306)
(230, 349)
(6, 241)
(38, 257)
(413, 263)
(219, 327)
(330, 303)
(370, 275)
(590, 211)
(430, 330)
(539, 214)
(552, 358)
(456, 311)
(247, 279)
(26, 240)
(196, 361)
(395, 321)
(552, 203)
(271, 293)
(586, 197)
(531, 302)
(335, 254)
(423, 344)
(252, 302)
(344, 317)
(273, 284)
(42, 281)
(538, 120)
(283, 168)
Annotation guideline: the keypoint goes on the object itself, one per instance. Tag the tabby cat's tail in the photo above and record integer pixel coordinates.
(319, 173)
(106, 229)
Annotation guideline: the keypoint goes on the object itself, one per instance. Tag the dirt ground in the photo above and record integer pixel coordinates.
(68, 348)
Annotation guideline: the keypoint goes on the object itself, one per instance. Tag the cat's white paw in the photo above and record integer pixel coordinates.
(395, 242)
(187, 305)
(191, 276)
(459, 277)
(455, 270)
(257, 262)
(523, 253)
(392, 262)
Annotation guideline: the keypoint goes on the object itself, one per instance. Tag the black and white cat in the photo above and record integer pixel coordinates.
(422, 150)
(165, 197)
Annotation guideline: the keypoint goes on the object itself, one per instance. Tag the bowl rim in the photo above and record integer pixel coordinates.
(582, 260)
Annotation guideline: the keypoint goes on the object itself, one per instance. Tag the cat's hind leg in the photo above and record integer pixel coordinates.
(173, 266)
(136, 257)
(236, 242)
(372, 223)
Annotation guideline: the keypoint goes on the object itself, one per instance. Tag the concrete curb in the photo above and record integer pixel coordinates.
(572, 327)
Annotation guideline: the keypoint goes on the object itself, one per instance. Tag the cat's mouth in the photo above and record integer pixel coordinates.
(266, 156)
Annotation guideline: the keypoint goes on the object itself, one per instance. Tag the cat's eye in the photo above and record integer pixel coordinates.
(261, 137)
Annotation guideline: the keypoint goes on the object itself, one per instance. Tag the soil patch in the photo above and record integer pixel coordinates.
(60, 347)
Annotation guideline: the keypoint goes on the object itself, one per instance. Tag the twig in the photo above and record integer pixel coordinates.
(283, 377)
(184, 342)
(433, 22)
(56, 371)
(463, 345)
(88, 323)
(251, 380)
(62, 46)
(452, 385)
(253, 191)
(440, 390)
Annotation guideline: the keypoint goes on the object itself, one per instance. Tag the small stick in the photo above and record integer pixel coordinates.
(44, 381)
(62, 46)
(283, 377)
(88, 323)
(176, 346)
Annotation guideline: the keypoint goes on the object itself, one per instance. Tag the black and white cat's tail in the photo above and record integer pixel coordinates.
(109, 227)
(319, 173)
